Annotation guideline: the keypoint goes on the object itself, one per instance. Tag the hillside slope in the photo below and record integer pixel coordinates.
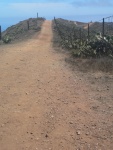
(24, 29)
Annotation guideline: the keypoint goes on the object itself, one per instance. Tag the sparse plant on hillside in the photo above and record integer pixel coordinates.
(6, 39)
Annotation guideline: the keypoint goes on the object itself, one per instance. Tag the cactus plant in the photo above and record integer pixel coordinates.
(6, 39)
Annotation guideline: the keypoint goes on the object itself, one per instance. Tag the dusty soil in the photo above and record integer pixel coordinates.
(44, 105)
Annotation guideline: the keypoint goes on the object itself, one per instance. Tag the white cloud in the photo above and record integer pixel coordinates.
(57, 9)
(93, 3)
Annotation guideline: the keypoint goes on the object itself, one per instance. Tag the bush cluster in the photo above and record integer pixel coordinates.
(75, 39)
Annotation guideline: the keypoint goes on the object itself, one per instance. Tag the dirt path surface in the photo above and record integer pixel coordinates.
(45, 106)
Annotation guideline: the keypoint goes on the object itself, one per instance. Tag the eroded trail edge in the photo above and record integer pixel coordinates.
(43, 106)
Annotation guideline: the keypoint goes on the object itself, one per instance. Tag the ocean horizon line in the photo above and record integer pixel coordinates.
(7, 22)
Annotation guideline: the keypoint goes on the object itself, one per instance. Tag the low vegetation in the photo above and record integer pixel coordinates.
(74, 37)
(6, 39)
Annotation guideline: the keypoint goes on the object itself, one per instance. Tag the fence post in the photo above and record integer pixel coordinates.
(88, 31)
(37, 15)
(80, 36)
(37, 20)
(103, 27)
(0, 33)
(28, 24)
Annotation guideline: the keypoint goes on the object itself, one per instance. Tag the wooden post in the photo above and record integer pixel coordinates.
(37, 20)
(80, 36)
(103, 27)
(0, 33)
(28, 24)
(88, 31)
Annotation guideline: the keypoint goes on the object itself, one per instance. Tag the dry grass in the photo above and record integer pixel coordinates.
(104, 64)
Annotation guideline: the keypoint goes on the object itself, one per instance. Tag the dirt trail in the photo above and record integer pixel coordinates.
(44, 106)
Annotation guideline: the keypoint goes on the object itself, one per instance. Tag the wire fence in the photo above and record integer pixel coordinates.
(102, 28)
(108, 27)
(93, 39)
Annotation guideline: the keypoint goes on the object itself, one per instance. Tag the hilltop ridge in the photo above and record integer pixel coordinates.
(24, 29)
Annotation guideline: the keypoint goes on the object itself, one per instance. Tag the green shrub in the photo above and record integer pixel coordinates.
(6, 39)
(94, 48)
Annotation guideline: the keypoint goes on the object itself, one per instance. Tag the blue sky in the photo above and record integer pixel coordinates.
(12, 11)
